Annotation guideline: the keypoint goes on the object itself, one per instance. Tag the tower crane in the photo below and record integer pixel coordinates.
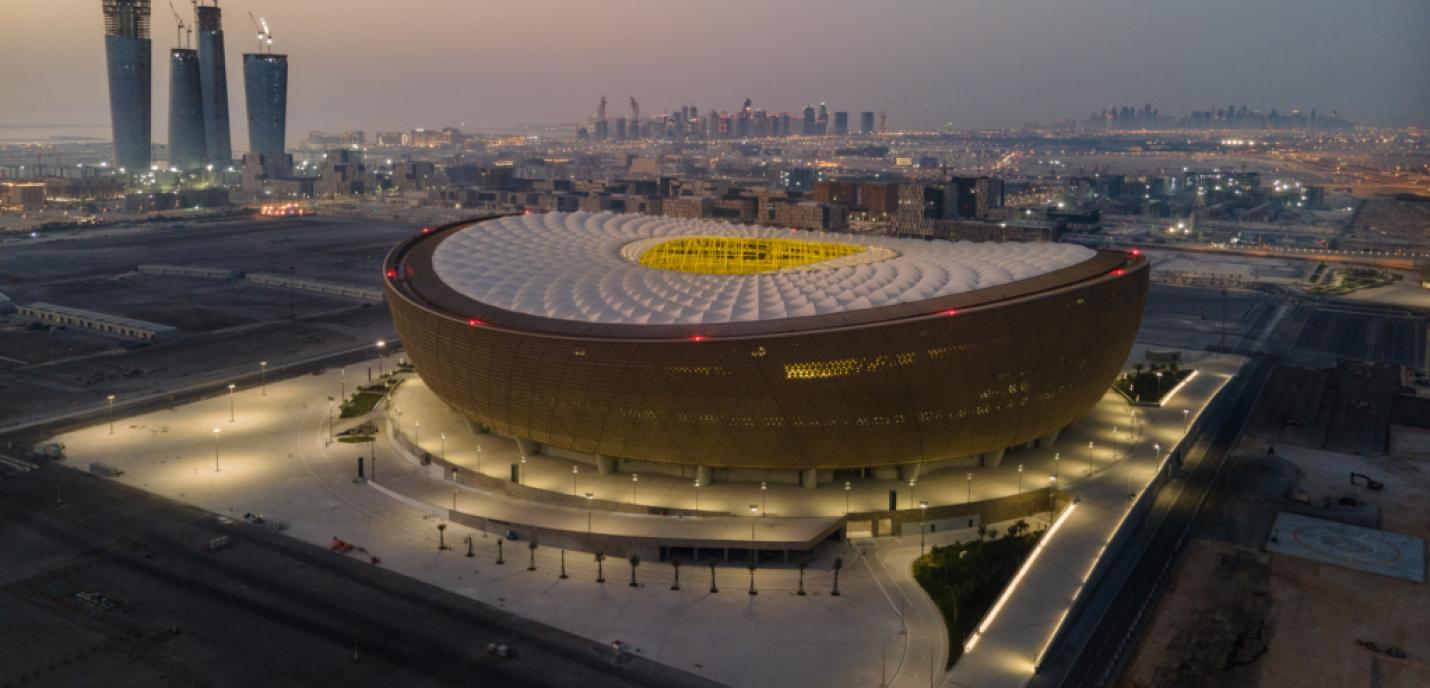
(265, 34)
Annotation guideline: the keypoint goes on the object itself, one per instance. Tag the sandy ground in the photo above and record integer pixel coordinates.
(1234, 614)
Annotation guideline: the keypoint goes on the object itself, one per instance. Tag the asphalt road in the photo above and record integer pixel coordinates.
(264, 610)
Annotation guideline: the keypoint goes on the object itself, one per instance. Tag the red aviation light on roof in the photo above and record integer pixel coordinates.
(697, 337)
(425, 230)
(1136, 252)
(951, 311)
(1118, 272)
(391, 273)
(474, 322)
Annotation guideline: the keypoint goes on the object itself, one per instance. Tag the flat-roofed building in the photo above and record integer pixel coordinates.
(118, 326)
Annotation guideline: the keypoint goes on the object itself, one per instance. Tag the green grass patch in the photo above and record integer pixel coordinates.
(355, 439)
(1144, 386)
(360, 404)
(966, 578)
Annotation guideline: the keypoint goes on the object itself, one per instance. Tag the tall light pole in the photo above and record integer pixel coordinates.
(1186, 418)
(520, 472)
(1057, 462)
(764, 488)
(923, 521)
(215, 434)
(417, 434)
(442, 450)
(575, 470)
(110, 399)
(1090, 450)
(847, 486)
(380, 346)
(231, 387)
(970, 488)
(754, 511)
(479, 459)
(697, 494)
(343, 385)
(589, 497)
(263, 378)
(912, 484)
(1052, 492)
(1020, 478)
(635, 481)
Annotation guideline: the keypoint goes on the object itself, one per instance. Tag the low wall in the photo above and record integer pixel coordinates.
(1008, 508)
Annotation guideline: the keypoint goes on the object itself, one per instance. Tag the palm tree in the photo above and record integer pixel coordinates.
(531, 548)
(600, 568)
(838, 564)
(752, 579)
(802, 566)
(712, 577)
(675, 564)
(635, 560)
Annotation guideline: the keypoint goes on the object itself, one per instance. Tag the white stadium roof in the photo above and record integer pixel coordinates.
(585, 267)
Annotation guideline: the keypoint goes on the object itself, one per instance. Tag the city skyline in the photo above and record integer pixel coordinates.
(1068, 61)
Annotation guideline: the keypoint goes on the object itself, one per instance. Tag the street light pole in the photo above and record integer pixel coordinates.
(970, 488)
(635, 481)
(847, 486)
(110, 399)
(764, 488)
(754, 511)
(575, 470)
(231, 387)
(1089, 458)
(380, 345)
(1020, 478)
(912, 484)
(479, 459)
(697, 494)
(215, 433)
(1057, 462)
(589, 496)
(263, 378)
(442, 451)
(923, 519)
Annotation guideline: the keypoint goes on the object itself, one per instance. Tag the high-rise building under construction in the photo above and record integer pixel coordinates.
(127, 50)
(265, 80)
(213, 83)
(187, 148)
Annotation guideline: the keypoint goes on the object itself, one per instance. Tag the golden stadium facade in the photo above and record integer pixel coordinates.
(701, 343)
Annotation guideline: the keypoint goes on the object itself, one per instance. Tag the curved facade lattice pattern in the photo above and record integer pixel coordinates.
(907, 383)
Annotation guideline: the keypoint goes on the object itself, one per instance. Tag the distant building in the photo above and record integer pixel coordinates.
(798, 178)
(866, 123)
(265, 82)
(342, 173)
(413, 176)
(841, 124)
(809, 124)
(843, 192)
(187, 148)
(811, 215)
(128, 51)
(880, 200)
(24, 196)
(213, 83)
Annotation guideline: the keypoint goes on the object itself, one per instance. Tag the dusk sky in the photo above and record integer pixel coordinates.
(380, 64)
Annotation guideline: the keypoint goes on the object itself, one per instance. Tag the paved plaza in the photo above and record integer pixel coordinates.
(267, 451)
(1343, 544)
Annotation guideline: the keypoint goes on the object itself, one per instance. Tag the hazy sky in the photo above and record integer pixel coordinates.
(394, 64)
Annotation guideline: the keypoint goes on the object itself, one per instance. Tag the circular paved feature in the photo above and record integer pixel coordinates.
(1359, 547)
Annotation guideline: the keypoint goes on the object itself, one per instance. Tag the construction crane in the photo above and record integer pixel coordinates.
(265, 34)
(179, 32)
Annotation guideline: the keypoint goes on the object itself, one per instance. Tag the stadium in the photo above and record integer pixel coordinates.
(651, 343)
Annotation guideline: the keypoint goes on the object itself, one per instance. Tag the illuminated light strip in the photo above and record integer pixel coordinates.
(1077, 594)
(1171, 393)
(988, 618)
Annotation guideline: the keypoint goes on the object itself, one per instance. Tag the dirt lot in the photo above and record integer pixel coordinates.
(1236, 615)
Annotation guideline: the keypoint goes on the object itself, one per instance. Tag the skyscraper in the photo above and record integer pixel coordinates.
(265, 81)
(841, 124)
(186, 112)
(866, 123)
(213, 82)
(127, 50)
(808, 127)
